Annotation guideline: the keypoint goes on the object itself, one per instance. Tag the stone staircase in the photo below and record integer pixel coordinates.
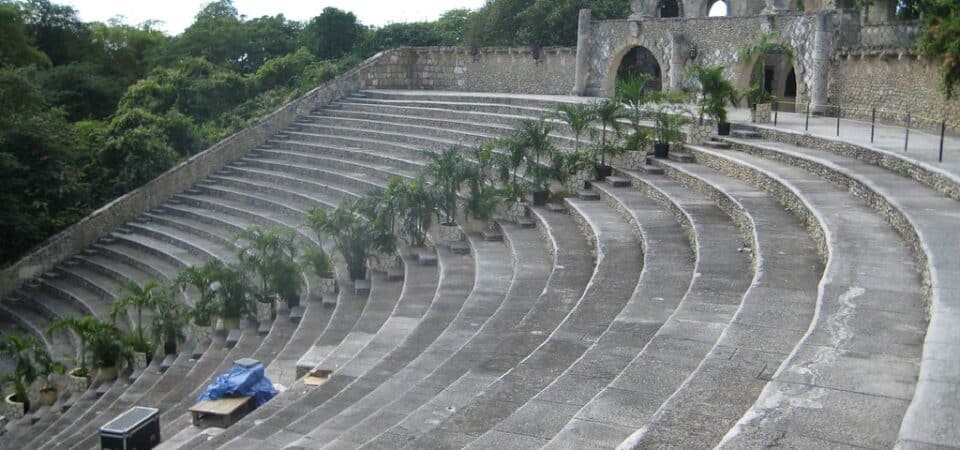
(753, 292)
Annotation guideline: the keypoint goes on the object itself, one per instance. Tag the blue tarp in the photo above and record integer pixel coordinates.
(241, 381)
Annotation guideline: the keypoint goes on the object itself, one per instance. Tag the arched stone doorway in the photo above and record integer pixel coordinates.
(640, 60)
(668, 8)
(778, 76)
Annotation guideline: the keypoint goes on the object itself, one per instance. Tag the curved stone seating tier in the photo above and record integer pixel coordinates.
(419, 291)
(923, 217)
(494, 273)
(774, 315)
(451, 381)
(689, 310)
(287, 424)
(870, 320)
(546, 342)
(382, 299)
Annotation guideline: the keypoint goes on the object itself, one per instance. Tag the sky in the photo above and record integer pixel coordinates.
(178, 14)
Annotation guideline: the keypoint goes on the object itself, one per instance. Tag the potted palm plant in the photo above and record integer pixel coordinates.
(417, 204)
(110, 350)
(203, 311)
(354, 238)
(669, 117)
(608, 113)
(46, 368)
(579, 117)
(268, 256)
(534, 136)
(139, 298)
(83, 328)
(232, 291)
(482, 199)
(168, 323)
(318, 261)
(20, 349)
(717, 92)
(379, 208)
(448, 170)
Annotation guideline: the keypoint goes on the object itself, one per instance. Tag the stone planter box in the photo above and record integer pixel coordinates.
(48, 396)
(450, 234)
(698, 133)
(326, 286)
(761, 113)
(513, 212)
(264, 312)
(478, 226)
(197, 333)
(77, 384)
(12, 409)
(632, 160)
(139, 360)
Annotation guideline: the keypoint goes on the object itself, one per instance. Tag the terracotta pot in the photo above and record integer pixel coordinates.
(48, 396)
(107, 374)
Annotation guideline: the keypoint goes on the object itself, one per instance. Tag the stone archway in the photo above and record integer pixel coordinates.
(778, 76)
(669, 8)
(641, 59)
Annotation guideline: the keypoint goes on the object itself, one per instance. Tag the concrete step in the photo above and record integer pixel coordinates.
(618, 181)
(460, 248)
(761, 336)
(587, 194)
(745, 134)
(680, 156)
(492, 235)
(920, 213)
(556, 208)
(873, 339)
(616, 244)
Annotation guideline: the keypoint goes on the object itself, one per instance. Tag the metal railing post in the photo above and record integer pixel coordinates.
(873, 123)
(806, 125)
(906, 136)
(776, 110)
(943, 130)
(839, 113)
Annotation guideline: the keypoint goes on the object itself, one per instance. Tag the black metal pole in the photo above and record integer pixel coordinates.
(776, 110)
(806, 126)
(906, 136)
(839, 111)
(873, 123)
(943, 130)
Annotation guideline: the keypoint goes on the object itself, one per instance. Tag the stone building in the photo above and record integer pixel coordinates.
(849, 59)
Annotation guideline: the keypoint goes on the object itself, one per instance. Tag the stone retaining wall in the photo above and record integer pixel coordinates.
(895, 84)
(496, 69)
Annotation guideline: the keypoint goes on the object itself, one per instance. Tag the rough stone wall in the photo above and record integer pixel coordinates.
(718, 40)
(894, 84)
(497, 69)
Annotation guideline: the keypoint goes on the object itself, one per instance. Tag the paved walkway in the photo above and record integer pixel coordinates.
(923, 145)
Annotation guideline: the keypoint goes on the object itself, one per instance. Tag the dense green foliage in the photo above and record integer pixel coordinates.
(940, 38)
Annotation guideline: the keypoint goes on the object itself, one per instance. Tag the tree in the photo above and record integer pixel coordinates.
(140, 299)
(448, 171)
(84, 328)
(268, 254)
(57, 31)
(21, 350)
(202, 279)
(16, 47)
(940, 38)
(353, 236)
(168, 322)
(331, 34)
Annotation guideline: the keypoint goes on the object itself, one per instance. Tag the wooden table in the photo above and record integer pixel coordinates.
(227, 410)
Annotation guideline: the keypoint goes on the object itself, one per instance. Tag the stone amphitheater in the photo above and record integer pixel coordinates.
(773, 288)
